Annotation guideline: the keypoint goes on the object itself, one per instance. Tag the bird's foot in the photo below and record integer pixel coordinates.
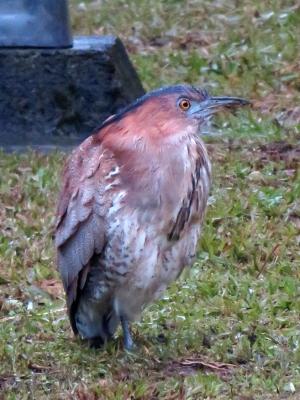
(96, 343)
(128, 341)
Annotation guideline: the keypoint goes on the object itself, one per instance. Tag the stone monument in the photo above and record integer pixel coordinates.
(56, 90)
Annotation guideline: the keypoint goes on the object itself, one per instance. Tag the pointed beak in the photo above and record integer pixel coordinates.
(214, 104)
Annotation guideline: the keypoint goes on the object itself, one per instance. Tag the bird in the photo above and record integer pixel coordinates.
(131, 207)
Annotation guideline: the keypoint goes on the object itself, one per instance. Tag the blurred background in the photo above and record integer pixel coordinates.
(249, 47)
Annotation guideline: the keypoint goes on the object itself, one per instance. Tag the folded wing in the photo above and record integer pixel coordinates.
(80, 228)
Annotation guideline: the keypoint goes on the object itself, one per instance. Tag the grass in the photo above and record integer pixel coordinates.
(229, 328)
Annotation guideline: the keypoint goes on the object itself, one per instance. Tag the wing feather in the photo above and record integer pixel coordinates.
(80, 228)
(196, 198)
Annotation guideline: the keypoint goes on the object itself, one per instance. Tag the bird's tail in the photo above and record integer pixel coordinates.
(95, 321)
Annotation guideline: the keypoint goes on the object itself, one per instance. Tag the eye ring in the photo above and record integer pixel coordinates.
(184, 104)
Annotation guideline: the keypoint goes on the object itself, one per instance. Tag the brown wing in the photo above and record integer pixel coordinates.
(196, 198)
(80, 231)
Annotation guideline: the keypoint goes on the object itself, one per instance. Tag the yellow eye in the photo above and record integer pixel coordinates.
(184, 104)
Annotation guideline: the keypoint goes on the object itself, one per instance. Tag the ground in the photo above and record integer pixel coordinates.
(229, 328)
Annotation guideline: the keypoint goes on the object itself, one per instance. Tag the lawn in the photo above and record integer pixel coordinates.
(229, 328)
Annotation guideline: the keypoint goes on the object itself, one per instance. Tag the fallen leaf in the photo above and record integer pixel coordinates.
(38, 368)
(51, 286)
(190, 366)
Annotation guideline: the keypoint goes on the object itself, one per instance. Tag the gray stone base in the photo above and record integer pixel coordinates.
(56, 98)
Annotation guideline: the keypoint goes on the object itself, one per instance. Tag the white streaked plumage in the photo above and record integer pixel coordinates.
(130, 211)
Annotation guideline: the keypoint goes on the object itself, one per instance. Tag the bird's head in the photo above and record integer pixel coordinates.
(171, 112)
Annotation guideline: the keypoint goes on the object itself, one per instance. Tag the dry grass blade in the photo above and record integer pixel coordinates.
(273, 252)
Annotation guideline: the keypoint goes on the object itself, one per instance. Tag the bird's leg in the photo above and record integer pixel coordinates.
(128, 342)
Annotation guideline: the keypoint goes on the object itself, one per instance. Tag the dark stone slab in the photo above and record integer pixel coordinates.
(56, 98)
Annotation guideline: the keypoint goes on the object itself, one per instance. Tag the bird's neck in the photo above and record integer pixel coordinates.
(160, 176)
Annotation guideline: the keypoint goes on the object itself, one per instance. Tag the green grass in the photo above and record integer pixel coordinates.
(240, 303)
